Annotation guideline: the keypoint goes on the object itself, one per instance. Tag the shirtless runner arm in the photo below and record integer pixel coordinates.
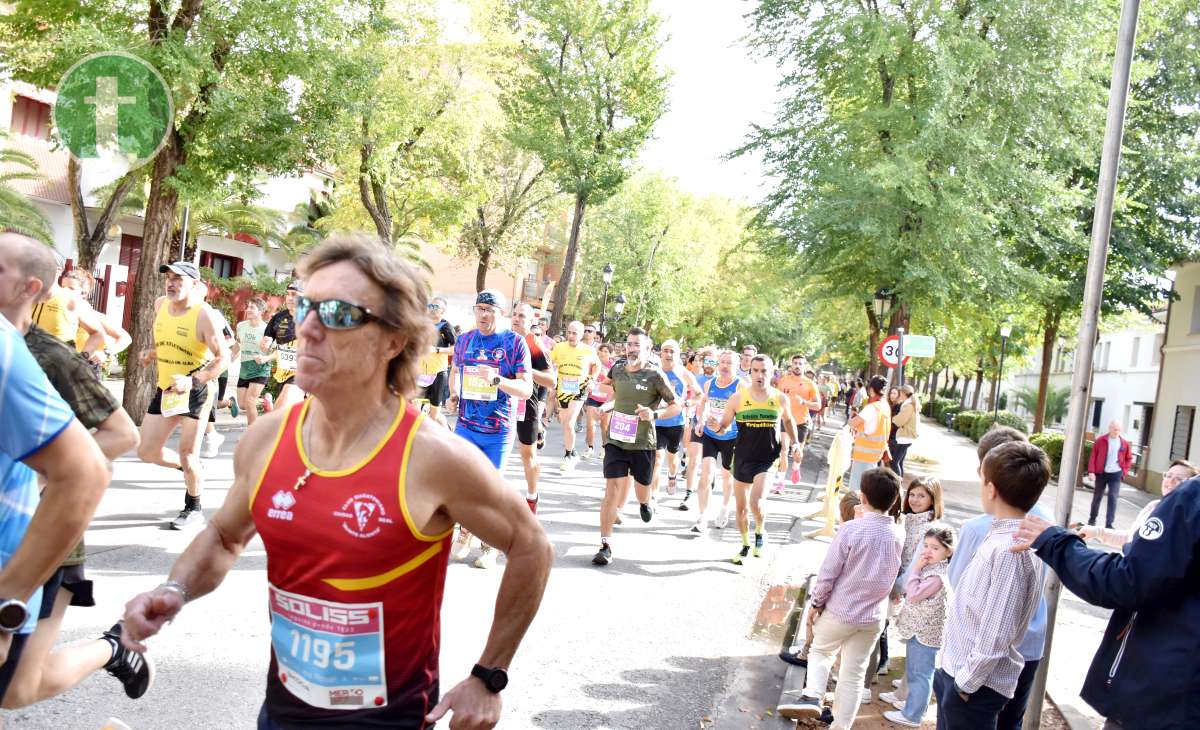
(460, 485)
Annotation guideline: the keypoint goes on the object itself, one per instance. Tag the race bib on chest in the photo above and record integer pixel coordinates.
(716, 408)
(569, 385)
(173, 404)
(623, 427)
(330, 655)
(477, 384)
(424, 381)
(287, 358)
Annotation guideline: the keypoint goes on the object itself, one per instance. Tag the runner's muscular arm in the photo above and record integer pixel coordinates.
(211, 555)
(76, 476)
(547, 378)
(209, 330)
(89, 320)
(449, 484)
(520, 386)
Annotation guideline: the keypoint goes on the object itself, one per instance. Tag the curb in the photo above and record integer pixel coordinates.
(1074, 718)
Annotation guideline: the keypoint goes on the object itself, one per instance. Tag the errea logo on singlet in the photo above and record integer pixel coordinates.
(282, 504)
(363, 516)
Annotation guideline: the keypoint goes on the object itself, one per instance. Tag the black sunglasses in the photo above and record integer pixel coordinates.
(335, 314)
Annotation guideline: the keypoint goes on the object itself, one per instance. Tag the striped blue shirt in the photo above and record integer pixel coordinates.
(31, 415)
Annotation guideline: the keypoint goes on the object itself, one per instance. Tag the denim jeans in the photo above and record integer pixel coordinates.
(1112, 481)
(857, 469)
(918, 674)
(899, 453)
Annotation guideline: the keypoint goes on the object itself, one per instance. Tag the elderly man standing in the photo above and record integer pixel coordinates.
(358, 470)
(1109, 463)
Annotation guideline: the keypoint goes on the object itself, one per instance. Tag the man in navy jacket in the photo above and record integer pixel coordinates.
(1146, 673)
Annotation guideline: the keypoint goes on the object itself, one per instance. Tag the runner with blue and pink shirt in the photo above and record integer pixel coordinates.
(491, 375)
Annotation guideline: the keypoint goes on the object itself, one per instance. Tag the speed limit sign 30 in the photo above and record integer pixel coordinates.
(889, 352)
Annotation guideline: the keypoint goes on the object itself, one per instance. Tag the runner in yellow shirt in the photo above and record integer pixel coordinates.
(576, 364)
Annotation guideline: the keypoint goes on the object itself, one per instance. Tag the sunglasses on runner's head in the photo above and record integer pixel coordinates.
(335, 314)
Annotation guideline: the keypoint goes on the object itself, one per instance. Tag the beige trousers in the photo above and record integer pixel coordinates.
(855, 643)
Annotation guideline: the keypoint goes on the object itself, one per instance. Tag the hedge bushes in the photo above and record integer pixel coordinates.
(1052, 444)
(936, 408)
(975, 424)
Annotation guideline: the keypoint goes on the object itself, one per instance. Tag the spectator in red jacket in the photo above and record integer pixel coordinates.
(1109, 463)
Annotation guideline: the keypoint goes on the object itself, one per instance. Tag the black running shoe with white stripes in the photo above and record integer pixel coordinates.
(134, 669)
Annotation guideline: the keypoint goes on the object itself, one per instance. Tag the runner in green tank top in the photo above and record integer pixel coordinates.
(758, 409)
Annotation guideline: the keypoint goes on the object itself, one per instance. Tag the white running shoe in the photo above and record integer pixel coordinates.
(486, 559)
(212, 444)
(569, 463)
(722, 519)
(462, 547)
(591, 453)
(893, 699)
(866, 695)
(700, 526)
(897, 682)
(898, 717)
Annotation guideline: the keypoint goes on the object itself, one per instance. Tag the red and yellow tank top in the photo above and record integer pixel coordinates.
(355, 587)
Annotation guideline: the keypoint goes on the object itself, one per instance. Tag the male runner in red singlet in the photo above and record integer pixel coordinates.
(356, 564)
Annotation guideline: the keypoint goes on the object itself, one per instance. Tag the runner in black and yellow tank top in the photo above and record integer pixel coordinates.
(759, 410)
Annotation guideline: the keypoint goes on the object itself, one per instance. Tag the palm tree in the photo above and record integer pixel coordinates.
(16, 211)
(1057, 400)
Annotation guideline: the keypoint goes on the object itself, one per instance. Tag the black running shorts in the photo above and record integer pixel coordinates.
(619, 463)
(721, 450)
(197, 398)
(802, 432)
(745, 470)
(527, 428)
(247, 382)
(669, 437)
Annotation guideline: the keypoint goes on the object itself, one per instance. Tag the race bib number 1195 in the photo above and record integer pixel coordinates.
(330, 655)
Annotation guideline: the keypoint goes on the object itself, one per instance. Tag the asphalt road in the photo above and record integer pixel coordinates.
(662, 638)
(671, 635)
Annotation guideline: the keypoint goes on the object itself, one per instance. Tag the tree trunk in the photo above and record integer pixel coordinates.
(481, 271)
(978, 389)
(568, 273)
(159, 225)
(90, 239)
(1049, 336)
(933, 383)
(962, 401)
(873, 341)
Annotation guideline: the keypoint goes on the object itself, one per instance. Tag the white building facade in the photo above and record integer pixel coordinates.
(1175, 435)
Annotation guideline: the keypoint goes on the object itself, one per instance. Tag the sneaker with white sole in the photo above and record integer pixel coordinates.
(898, 717)
(802, 708)
(569, 462)
(487, 558)
(867, 696)
(893, 699)
(722, 519)
(212, 444)
(134, 669)
(187, 518)
(897, 682)
(700, 526)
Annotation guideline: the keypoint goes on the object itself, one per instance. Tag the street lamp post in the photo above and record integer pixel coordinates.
(882, 305)
(607, 275)
(1005, 331)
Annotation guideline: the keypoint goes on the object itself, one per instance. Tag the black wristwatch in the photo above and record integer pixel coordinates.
(496, 380)
(495, 679)
(13, 614)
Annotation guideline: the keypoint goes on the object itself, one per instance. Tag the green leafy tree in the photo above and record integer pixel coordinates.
(585, 101)
(910, 143)
(510, 218)
(257, 86)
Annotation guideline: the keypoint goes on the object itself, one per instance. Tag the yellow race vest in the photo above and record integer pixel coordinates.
(55, 316)
(179, 349)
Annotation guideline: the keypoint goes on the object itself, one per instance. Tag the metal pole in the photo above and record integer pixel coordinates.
(604, 312)
(999, 380)
(1093, 289)
(187, 214)
(900, 358)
